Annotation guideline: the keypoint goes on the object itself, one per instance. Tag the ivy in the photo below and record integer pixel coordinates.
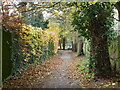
(95, 23)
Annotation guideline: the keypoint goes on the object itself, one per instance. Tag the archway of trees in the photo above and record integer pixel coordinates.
(38, 31)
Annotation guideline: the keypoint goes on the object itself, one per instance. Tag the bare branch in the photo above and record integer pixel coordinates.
(42, 7)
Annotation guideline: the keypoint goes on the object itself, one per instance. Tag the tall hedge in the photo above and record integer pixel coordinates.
(6, 54)
(32, 45)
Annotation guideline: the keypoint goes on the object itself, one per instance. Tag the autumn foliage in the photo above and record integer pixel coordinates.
(34, 38)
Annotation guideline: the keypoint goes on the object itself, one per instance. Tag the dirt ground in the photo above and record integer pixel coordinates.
(58, 71)
(113, 82)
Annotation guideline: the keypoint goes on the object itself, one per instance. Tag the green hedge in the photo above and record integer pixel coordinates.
(13, 58)
(6, 55)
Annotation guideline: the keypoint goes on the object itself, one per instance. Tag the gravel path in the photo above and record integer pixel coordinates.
(60, 78)
(51, 73)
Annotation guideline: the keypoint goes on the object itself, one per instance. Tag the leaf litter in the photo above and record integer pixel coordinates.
(59, 72)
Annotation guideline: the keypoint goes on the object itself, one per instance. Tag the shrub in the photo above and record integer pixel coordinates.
(32, 46)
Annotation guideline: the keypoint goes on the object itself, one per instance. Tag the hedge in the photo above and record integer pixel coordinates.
(31, 45)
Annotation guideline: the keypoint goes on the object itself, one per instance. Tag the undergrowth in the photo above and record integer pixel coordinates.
(83, 66)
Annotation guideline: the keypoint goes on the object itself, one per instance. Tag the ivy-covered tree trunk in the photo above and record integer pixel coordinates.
(99, 55)
(102, 60)
(95, 23)
(117, 5)
(91, 59)
(118, 62)
(80, 47)
(74, 46)
(99, 46)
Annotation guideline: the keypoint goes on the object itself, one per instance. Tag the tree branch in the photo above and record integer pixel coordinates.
(42, 7)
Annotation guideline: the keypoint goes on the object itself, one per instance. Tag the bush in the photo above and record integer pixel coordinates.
(32, 45)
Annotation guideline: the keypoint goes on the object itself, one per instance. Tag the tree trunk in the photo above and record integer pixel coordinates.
(100, 53)
(74, 48)
(118, 61)
(80, 47)
(91, 59)
(99, 47)
(60, 44)
(64, 39)
(75, 44)
(102, 60)
(72, 43)
(117, 5)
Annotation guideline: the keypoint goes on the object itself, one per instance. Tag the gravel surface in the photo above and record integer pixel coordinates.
(61, 77)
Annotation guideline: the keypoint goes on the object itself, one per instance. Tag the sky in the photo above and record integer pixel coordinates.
(45, 13)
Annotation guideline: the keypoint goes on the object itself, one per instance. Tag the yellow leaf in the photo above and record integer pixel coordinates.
(31, 77)
(56, 13)
(30, 8)
(79, 8)
(116, 82)
(116, 15)
(90, 3)
(106, 85)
